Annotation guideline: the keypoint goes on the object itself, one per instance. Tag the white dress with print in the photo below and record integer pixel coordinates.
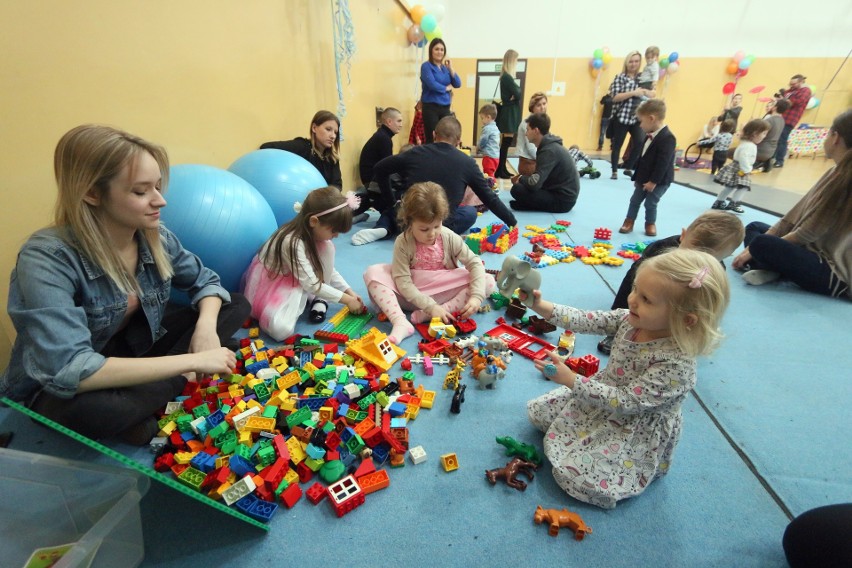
(614, 432)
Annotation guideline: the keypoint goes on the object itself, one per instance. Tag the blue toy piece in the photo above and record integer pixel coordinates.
(281, 177)
(218, 216)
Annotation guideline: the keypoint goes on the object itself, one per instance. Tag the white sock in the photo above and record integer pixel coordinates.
(760, 277)
(401, 330)
(365, 236)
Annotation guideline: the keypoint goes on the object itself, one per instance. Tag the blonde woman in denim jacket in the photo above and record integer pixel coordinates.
(100, 349)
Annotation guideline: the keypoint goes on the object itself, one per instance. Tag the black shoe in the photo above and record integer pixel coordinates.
(605, 344)
(318, 315)
(718, 205)
(628, 173)
(777, 165)
(735, 207)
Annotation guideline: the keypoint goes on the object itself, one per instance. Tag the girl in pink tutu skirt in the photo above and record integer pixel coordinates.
(296, 266)
(425, 275)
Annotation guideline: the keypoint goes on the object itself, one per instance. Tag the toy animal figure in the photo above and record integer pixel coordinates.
(516, 448)
(517, 273)
(469, 341)
(487, 377)
(493, 343)
(454, 375)
(487, 361)
(458, 399)
(510, 473)
(562, 518)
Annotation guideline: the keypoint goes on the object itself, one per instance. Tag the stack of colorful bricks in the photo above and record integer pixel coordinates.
(633, 251)
(251, 439)
(496, 237)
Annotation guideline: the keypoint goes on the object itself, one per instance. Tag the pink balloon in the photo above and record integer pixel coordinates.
(755, 90)
(739, 55)
(415, 34)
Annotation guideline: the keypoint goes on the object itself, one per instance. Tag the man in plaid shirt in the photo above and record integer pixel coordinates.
(798, 95)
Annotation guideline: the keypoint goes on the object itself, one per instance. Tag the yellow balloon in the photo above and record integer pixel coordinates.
(607, 57)
(417, 13)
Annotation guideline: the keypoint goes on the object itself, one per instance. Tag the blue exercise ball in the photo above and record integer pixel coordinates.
(218, 216)
(282, 177)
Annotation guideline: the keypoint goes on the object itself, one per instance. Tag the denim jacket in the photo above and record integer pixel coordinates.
(65, 309)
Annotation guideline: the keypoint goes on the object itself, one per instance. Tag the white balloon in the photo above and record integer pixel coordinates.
(672, 68)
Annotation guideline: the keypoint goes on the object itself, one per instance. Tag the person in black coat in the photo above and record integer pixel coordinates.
(654, 171)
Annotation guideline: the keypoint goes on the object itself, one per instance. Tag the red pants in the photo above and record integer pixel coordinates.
(489, 165)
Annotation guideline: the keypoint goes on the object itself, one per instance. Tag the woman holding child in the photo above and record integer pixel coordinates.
(626, 96)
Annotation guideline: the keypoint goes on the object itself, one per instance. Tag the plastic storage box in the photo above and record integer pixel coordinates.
(48, 502)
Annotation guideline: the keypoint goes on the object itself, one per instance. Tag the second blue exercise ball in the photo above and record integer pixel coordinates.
(283, 178)
(218, 216)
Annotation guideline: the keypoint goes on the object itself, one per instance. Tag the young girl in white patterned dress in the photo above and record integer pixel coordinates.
(611, 434)
(736, 175)
(425, 275)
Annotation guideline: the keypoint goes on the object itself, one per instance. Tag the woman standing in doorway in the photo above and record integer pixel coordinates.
(509, 115)
(438, 81)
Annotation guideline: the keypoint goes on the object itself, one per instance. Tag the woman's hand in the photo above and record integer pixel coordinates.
(742, 259)
(556, 370)
(449, 88)
(220, 360)
(650, 93)
(204, 338)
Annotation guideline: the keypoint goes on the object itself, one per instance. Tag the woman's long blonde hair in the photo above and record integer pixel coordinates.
(510, 62)
(87, 159)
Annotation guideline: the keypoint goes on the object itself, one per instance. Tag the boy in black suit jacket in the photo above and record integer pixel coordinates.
(654, 171)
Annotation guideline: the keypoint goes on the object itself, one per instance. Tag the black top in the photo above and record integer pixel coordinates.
(302, 147)
(376, 149)
(657, 163)
(447, 166)
(555, 169)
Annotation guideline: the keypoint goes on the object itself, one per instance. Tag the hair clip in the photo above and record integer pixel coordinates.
(351, 200)
(698, 279)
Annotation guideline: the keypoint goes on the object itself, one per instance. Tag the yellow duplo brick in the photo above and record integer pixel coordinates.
(252, 403)
(253, 382)
(244, 437)
(337, 358)
(291, 477)
(168, 429)
(289, 380)
(218, 493)
(261, 356)
(326, 413)
(222, 460)
(310, 391)
(310, 369)
(254, 332)
(259, 343)
(427, 399)
(184, 457)
(279, 360)
(297, 451)
(384, 379)
(275, 399)
(360, 373)
(247, 379)
(288, 404)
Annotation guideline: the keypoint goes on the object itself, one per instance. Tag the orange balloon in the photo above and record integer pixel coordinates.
(417, 13)
(732, 68)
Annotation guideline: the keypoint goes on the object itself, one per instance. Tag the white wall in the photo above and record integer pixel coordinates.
(712, 28)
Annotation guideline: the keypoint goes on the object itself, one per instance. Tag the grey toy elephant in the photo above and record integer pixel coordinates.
(517, 273)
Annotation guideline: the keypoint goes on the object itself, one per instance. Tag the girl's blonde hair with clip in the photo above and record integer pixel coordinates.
(698, 287)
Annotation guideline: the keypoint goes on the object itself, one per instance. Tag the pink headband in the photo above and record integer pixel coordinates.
(352, 201)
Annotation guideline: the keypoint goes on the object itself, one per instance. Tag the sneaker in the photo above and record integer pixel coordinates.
(628, 173)
(600, 148)
(777, 165)
(735, 207)
(614, 175)
(605, 344)
(718, 205)
(760, 277)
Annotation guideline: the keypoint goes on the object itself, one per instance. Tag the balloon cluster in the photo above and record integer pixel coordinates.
(670, 64)
(425, 27)
(600, 60)
(738, 67)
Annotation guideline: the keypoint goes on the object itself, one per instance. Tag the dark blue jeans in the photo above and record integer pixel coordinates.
(651, 199)
(604, 125)
(791, 261)
(781, 149)
(461, 219)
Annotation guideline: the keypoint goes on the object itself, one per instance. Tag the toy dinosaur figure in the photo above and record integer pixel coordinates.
(516, 448)
(510, 473)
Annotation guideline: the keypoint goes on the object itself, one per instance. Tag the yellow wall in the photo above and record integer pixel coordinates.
(212, 79)
(692, 95)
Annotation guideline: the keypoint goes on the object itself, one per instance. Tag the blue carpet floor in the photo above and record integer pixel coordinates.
(763, 439)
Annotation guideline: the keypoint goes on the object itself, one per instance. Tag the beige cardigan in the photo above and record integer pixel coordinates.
(455, 251)
(822, 222)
